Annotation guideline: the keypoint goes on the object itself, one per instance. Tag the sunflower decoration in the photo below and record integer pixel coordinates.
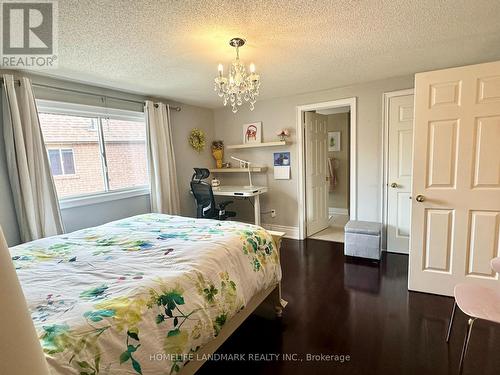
(197, 139)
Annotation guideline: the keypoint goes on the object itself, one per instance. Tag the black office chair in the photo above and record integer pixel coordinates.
(204, 196)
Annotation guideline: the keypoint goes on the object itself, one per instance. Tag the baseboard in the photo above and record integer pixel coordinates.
(337, 211)
(290, 232)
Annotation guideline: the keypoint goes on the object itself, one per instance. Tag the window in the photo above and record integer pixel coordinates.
(70, 132)
(125, 143)
(91, 152)
(61, 161)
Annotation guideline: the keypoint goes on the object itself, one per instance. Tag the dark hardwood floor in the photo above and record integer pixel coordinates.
(361, 310)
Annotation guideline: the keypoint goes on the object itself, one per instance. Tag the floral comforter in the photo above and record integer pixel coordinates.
(137, 296)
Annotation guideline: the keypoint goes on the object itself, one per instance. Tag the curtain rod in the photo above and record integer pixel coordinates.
(175, 108)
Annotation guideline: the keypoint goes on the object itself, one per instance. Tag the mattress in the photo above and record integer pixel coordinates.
(142, 294)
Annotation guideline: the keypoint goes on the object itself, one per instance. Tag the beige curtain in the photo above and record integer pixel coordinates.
(35, 199)
(162, 172)
(20, 348)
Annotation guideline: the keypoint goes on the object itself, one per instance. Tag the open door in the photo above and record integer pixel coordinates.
(316, 128)
(456, 178)
(400, 142)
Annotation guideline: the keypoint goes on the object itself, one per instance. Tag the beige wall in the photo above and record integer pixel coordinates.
(281, 113)
(186, 158)
(222, 123)
(339, 196)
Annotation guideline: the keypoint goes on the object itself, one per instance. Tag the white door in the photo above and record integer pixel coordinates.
(400, 146)
(316, 127)
(456, 178)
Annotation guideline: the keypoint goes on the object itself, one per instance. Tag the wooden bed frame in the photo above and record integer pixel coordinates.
(270, 297)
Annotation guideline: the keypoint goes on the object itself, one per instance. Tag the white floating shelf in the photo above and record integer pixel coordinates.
(238, 170)
(263, 144)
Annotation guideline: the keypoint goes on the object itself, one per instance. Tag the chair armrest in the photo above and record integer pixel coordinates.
(222, 205)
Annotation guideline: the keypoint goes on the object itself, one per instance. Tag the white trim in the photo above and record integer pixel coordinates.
(397, 252)
(337, 211)
(290, 232)
(385, 158)
(87, 200)
(64, 108)
(352, 103)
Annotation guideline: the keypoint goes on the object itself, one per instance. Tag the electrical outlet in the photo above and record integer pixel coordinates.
(273, 213)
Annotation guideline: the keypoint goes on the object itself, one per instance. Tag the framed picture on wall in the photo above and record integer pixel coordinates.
(281, 165)
(333, 141)
(252, 133)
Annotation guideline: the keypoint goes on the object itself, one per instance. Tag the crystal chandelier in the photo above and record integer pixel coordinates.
(239, 86)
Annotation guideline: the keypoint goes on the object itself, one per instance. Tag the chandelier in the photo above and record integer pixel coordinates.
(239, 86)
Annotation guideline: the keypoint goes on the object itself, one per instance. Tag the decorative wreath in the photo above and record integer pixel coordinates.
(197, 139)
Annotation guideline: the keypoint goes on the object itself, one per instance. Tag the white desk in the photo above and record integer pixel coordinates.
(243, 191)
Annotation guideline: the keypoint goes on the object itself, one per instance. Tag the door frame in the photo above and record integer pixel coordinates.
(385, 158)
(347, 102)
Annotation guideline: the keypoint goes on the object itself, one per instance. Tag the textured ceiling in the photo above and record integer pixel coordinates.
(171, 48)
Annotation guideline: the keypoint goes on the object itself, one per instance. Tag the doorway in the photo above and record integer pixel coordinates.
(398, 147)
(326, 139)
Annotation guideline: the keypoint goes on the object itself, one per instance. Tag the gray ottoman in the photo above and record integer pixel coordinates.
(362, 239)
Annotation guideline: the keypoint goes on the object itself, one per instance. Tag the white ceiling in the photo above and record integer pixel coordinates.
(171, 48)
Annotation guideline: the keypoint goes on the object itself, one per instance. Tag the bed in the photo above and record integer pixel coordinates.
(150, 294)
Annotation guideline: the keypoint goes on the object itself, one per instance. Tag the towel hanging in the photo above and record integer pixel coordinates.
(333, 165)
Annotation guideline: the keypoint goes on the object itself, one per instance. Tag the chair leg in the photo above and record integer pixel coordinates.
(466, 344)
(451, 321)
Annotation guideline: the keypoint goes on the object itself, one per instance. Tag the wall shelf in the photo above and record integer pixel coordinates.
(263, 144)
(238, 170)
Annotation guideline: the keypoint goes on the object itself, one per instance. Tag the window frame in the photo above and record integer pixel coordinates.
(100, 113)
(63, 170)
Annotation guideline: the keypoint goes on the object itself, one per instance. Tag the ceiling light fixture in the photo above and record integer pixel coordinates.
(239, 86)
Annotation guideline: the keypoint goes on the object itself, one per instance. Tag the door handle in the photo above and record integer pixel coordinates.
(394, 185)
(420, 198)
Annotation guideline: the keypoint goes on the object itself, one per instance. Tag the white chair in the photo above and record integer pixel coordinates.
(478, 302)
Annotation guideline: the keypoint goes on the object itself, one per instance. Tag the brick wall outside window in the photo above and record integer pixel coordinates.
(125, 153)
